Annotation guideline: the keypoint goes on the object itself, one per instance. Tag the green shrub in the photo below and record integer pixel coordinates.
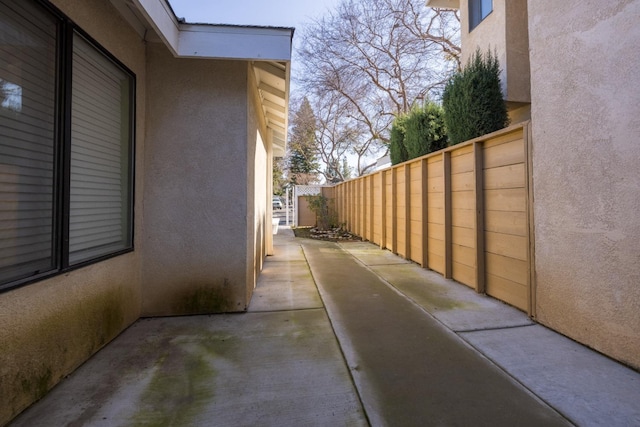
(397, 149)
(473, 101)
(424, 131)
(421, 131)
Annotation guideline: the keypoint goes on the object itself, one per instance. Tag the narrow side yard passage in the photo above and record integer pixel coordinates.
(409, 368)
(345, 335)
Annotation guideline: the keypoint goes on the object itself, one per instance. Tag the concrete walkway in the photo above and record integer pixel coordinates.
(345, 335)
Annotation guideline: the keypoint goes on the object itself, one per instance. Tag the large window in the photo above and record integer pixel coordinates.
(478, 10)
(66, 144)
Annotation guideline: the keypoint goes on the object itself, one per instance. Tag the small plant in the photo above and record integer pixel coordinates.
(326, 216)
(473, 101)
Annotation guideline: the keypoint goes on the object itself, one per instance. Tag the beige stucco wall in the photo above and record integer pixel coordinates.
(502, 32)
(196, 201)
(585, 103)
(49, 328)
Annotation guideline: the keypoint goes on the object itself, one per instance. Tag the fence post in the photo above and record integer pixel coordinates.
(383, 209)
(528, 167)
(394, 208)
(407, 211)
(448, 253)
(479, 216)
(425, 217)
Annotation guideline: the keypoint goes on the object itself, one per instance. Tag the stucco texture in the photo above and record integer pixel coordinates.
(585, 124)
(49, 328)
(196, 197)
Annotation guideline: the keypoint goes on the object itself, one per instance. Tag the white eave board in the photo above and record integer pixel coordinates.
(213, 41)
(447, 4)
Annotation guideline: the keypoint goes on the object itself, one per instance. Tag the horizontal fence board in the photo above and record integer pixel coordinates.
(511, 176)
(435, 185)
(462, 163)
(434, 168)
(415, 172)
(506, 245)
(436, 262)
(435, 231)
(463, 181)
(504, 154)
(463, 218)
(507, 290)
(415, 213)
(507, 137)
(463, 200)
(464, 274)
(461, 150)
(464, 236)
(435, 200)
(436, 246)
(507, 268)
(506, 222)
(510, 199)
(435, 215)
(464, 255)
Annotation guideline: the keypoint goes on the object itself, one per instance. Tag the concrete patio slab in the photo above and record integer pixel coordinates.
(586, 387)
(371, 254)
(280, 368)
(409, 369)
(419, 349)
(285, 285)
(459, 307)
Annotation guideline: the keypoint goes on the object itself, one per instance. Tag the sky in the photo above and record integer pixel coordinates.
(277, 13)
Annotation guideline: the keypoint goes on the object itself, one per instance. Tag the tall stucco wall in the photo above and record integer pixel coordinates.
(585, 116)
(49, 328)
(196, 211)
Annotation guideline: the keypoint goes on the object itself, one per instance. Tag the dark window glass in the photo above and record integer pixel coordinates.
(65, 160)
(478, 10)
(27, 139)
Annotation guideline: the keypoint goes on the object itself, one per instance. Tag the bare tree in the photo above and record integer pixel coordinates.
(368, 61)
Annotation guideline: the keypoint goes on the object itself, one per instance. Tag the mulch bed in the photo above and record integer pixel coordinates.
(332, 235)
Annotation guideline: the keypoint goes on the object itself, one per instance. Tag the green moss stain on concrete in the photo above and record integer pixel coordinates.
(183, 383)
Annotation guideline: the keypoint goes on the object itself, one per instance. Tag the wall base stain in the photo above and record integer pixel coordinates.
(207, 299)
(60, 342)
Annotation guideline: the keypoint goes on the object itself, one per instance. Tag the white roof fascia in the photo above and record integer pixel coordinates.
(447, 4)
(160, 16)
(216, 41)
(231, 42)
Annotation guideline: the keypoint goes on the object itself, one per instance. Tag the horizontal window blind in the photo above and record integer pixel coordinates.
(99, 220)
(27, 138)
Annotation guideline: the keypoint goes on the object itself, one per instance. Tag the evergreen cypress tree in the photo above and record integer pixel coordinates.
(302, 157)
(473, 101)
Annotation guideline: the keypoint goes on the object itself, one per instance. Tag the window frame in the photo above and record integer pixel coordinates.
(477, 14)
(60, 213)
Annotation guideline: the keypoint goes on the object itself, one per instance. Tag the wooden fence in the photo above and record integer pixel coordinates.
(464, 212)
